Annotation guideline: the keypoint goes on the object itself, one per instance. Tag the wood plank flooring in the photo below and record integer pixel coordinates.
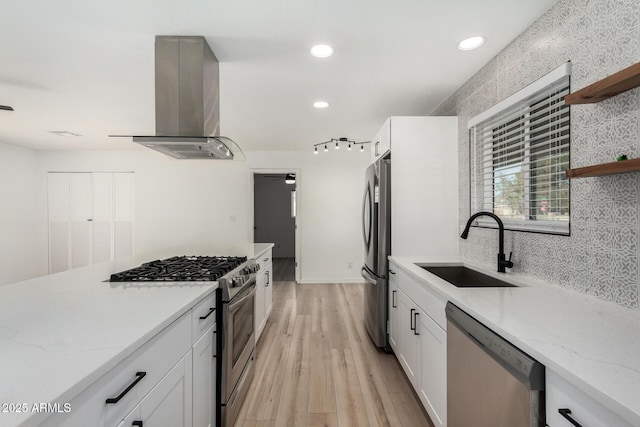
(316, 366)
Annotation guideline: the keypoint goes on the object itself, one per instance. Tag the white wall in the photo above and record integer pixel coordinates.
(18, 201)
(177, 202)
(329, 193)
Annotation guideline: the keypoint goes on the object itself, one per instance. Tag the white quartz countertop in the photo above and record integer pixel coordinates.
(260, 248)
(60, 333)
(593, 344)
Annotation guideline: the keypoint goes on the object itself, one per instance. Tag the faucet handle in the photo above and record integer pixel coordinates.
(508, 262)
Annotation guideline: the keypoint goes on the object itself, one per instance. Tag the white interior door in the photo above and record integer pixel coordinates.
(102, 217)
(123, 216)
(81, 217)
(58, 200)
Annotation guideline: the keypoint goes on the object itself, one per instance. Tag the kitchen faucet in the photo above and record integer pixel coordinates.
(502, 261)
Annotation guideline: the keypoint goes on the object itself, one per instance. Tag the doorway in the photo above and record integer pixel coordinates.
(275, 213)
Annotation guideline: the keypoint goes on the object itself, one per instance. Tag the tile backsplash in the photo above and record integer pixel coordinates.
(600, 257)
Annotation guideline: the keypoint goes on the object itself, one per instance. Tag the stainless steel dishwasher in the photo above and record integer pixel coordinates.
(490, 383)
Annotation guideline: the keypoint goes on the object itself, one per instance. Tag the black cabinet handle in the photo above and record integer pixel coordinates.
(415, 323)
(265, 260)
(211, 310)
(393, 299)
(411, 319)
(267, 282)
(392, 272)
(140, 376)
(137, 423)
(565, 412)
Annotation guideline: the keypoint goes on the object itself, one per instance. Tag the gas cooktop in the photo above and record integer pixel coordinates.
(180, 268)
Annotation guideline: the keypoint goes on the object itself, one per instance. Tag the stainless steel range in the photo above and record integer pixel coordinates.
(236, 277)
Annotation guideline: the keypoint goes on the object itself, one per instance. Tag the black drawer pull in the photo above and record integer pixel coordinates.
(565, 413)
(211, 310)
(411, 319)
(393, 299)
(140, 376)
(137, 423)
(415, 323)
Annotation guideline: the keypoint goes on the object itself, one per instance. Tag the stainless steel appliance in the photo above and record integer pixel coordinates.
(236, 341)
(376, 232)
(490, 383)
(236, 277)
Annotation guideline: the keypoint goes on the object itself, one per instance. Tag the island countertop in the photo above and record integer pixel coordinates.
(591, 343)
(60, 333)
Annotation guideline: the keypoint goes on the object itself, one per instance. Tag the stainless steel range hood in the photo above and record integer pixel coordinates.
(187, 81)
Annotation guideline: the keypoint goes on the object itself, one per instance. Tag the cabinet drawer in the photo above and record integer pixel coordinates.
(264, 260)
(155, 358)
(560, 394)
(432, 303)
(203, 315)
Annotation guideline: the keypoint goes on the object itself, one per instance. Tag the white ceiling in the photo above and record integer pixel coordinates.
(87, 66)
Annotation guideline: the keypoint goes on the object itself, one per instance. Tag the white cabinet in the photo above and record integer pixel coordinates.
(585, 410)
(204, 380)
(169, 403)
(169, 381)
(417, 336)
(90, 218)
(381, 144)
(409, 350)
(264, 291)
(424, 183)
(433, 368)
(394, 312)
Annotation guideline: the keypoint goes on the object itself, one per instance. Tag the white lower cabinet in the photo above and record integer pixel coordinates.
(169, 403)
(419, 342)
(264, 292)
(394, 316)
(169, 381)
(433, 369)
(409, 350)
(584, 410)
(204, 379)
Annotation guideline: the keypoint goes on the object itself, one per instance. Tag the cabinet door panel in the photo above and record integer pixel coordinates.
(169, 403)
(204, 371)
(259, 305)
(433, 369)
(409, 344)
(394, 316)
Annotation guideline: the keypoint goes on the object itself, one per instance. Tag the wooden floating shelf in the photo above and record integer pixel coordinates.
(613, 85)
(613, 168)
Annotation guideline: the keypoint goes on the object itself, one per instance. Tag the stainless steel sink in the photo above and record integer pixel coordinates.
(463, 277)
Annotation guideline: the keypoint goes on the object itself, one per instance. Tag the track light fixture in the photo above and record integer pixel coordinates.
(339, 141)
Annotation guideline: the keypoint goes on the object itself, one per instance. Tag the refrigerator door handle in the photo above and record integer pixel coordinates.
(366, 234)
(368, 277)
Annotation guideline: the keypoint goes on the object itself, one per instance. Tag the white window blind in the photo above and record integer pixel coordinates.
(519, 154)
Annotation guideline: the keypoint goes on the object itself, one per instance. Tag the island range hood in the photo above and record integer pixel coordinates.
(187, 94)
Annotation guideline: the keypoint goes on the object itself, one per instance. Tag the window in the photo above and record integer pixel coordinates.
(519, 154)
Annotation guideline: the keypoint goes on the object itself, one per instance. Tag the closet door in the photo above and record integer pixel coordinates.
(102, 217)
(81, 218)
(123, 217)
(58, 205)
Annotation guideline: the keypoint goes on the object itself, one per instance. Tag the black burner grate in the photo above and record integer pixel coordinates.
(180, 268)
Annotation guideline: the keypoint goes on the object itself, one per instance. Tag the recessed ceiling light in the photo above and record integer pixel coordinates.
(322, 51)
(64, 133)
(321, 104)
(471, 43)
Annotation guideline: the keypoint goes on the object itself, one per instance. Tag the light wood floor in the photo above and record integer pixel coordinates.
(316, 366)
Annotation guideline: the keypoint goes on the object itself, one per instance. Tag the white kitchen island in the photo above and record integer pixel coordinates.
(590, 347)
(61, 333)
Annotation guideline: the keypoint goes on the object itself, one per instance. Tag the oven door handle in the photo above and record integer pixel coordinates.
(251, 294)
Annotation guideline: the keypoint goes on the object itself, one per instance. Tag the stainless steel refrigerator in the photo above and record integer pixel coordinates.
(376, 233)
